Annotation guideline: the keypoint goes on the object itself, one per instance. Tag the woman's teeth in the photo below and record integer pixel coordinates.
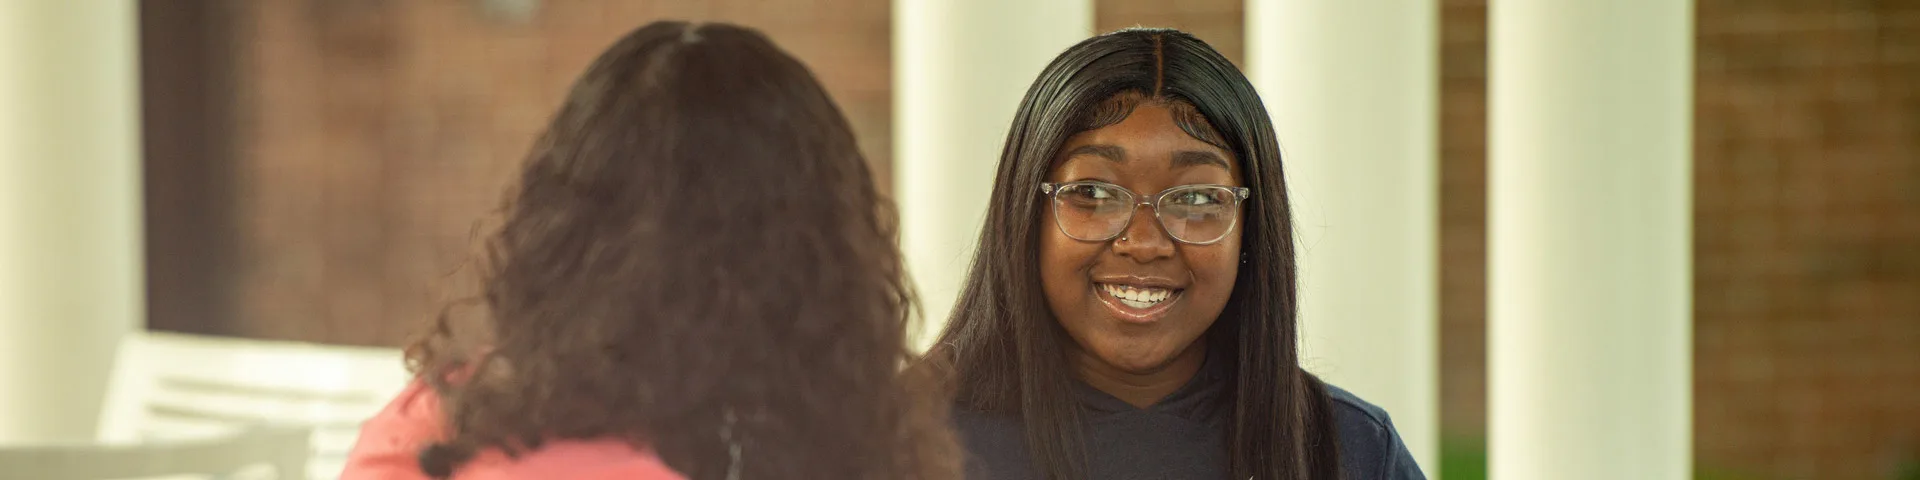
(1138, 297)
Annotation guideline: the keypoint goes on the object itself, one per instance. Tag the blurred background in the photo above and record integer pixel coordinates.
(313, 170)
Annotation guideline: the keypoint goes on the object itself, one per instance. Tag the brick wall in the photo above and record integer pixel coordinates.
(1218, 22)
(1806, 225)
(372, 134)
(1463, 219)
(1807, 237)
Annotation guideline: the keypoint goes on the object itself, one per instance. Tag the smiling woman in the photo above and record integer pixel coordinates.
(1135, 306)
(1130, 313)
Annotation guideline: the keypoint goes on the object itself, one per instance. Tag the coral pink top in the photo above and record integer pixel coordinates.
(390, 443)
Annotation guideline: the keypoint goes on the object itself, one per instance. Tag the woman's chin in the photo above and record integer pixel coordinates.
(1138, 362)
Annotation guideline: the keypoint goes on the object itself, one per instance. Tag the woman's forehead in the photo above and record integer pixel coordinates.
(1151, 133)
(1119, 107)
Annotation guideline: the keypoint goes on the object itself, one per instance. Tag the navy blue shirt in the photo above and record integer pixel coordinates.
(1181, 437)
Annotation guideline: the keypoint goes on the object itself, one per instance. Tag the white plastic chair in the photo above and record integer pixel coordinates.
(169, 387)
(283, 451)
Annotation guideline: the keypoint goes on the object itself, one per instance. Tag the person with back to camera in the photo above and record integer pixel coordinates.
(695, 277)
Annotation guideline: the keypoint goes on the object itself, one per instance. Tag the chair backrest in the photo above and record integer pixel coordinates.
(174, 386)
(284, 449)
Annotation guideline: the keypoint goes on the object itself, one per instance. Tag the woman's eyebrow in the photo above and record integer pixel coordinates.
(1102, 150)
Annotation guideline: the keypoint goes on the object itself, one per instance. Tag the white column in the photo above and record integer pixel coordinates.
(960, 68)
(1589, 184)
(70, 216)
(1352, 88)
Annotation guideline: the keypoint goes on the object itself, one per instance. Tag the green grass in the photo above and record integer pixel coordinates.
(1463, 459)
(1466, 459)
(1909, 470)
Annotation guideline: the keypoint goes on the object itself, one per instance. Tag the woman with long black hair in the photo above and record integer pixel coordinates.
(1131, 308)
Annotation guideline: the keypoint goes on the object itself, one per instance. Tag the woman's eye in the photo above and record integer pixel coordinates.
(1091, 192)
(1196, 198)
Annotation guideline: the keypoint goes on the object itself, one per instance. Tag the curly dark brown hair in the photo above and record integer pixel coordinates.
(696, 237)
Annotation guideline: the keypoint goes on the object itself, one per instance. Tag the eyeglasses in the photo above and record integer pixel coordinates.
(1099, 211)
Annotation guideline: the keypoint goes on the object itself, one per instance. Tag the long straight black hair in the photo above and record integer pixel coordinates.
(1007, 351)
